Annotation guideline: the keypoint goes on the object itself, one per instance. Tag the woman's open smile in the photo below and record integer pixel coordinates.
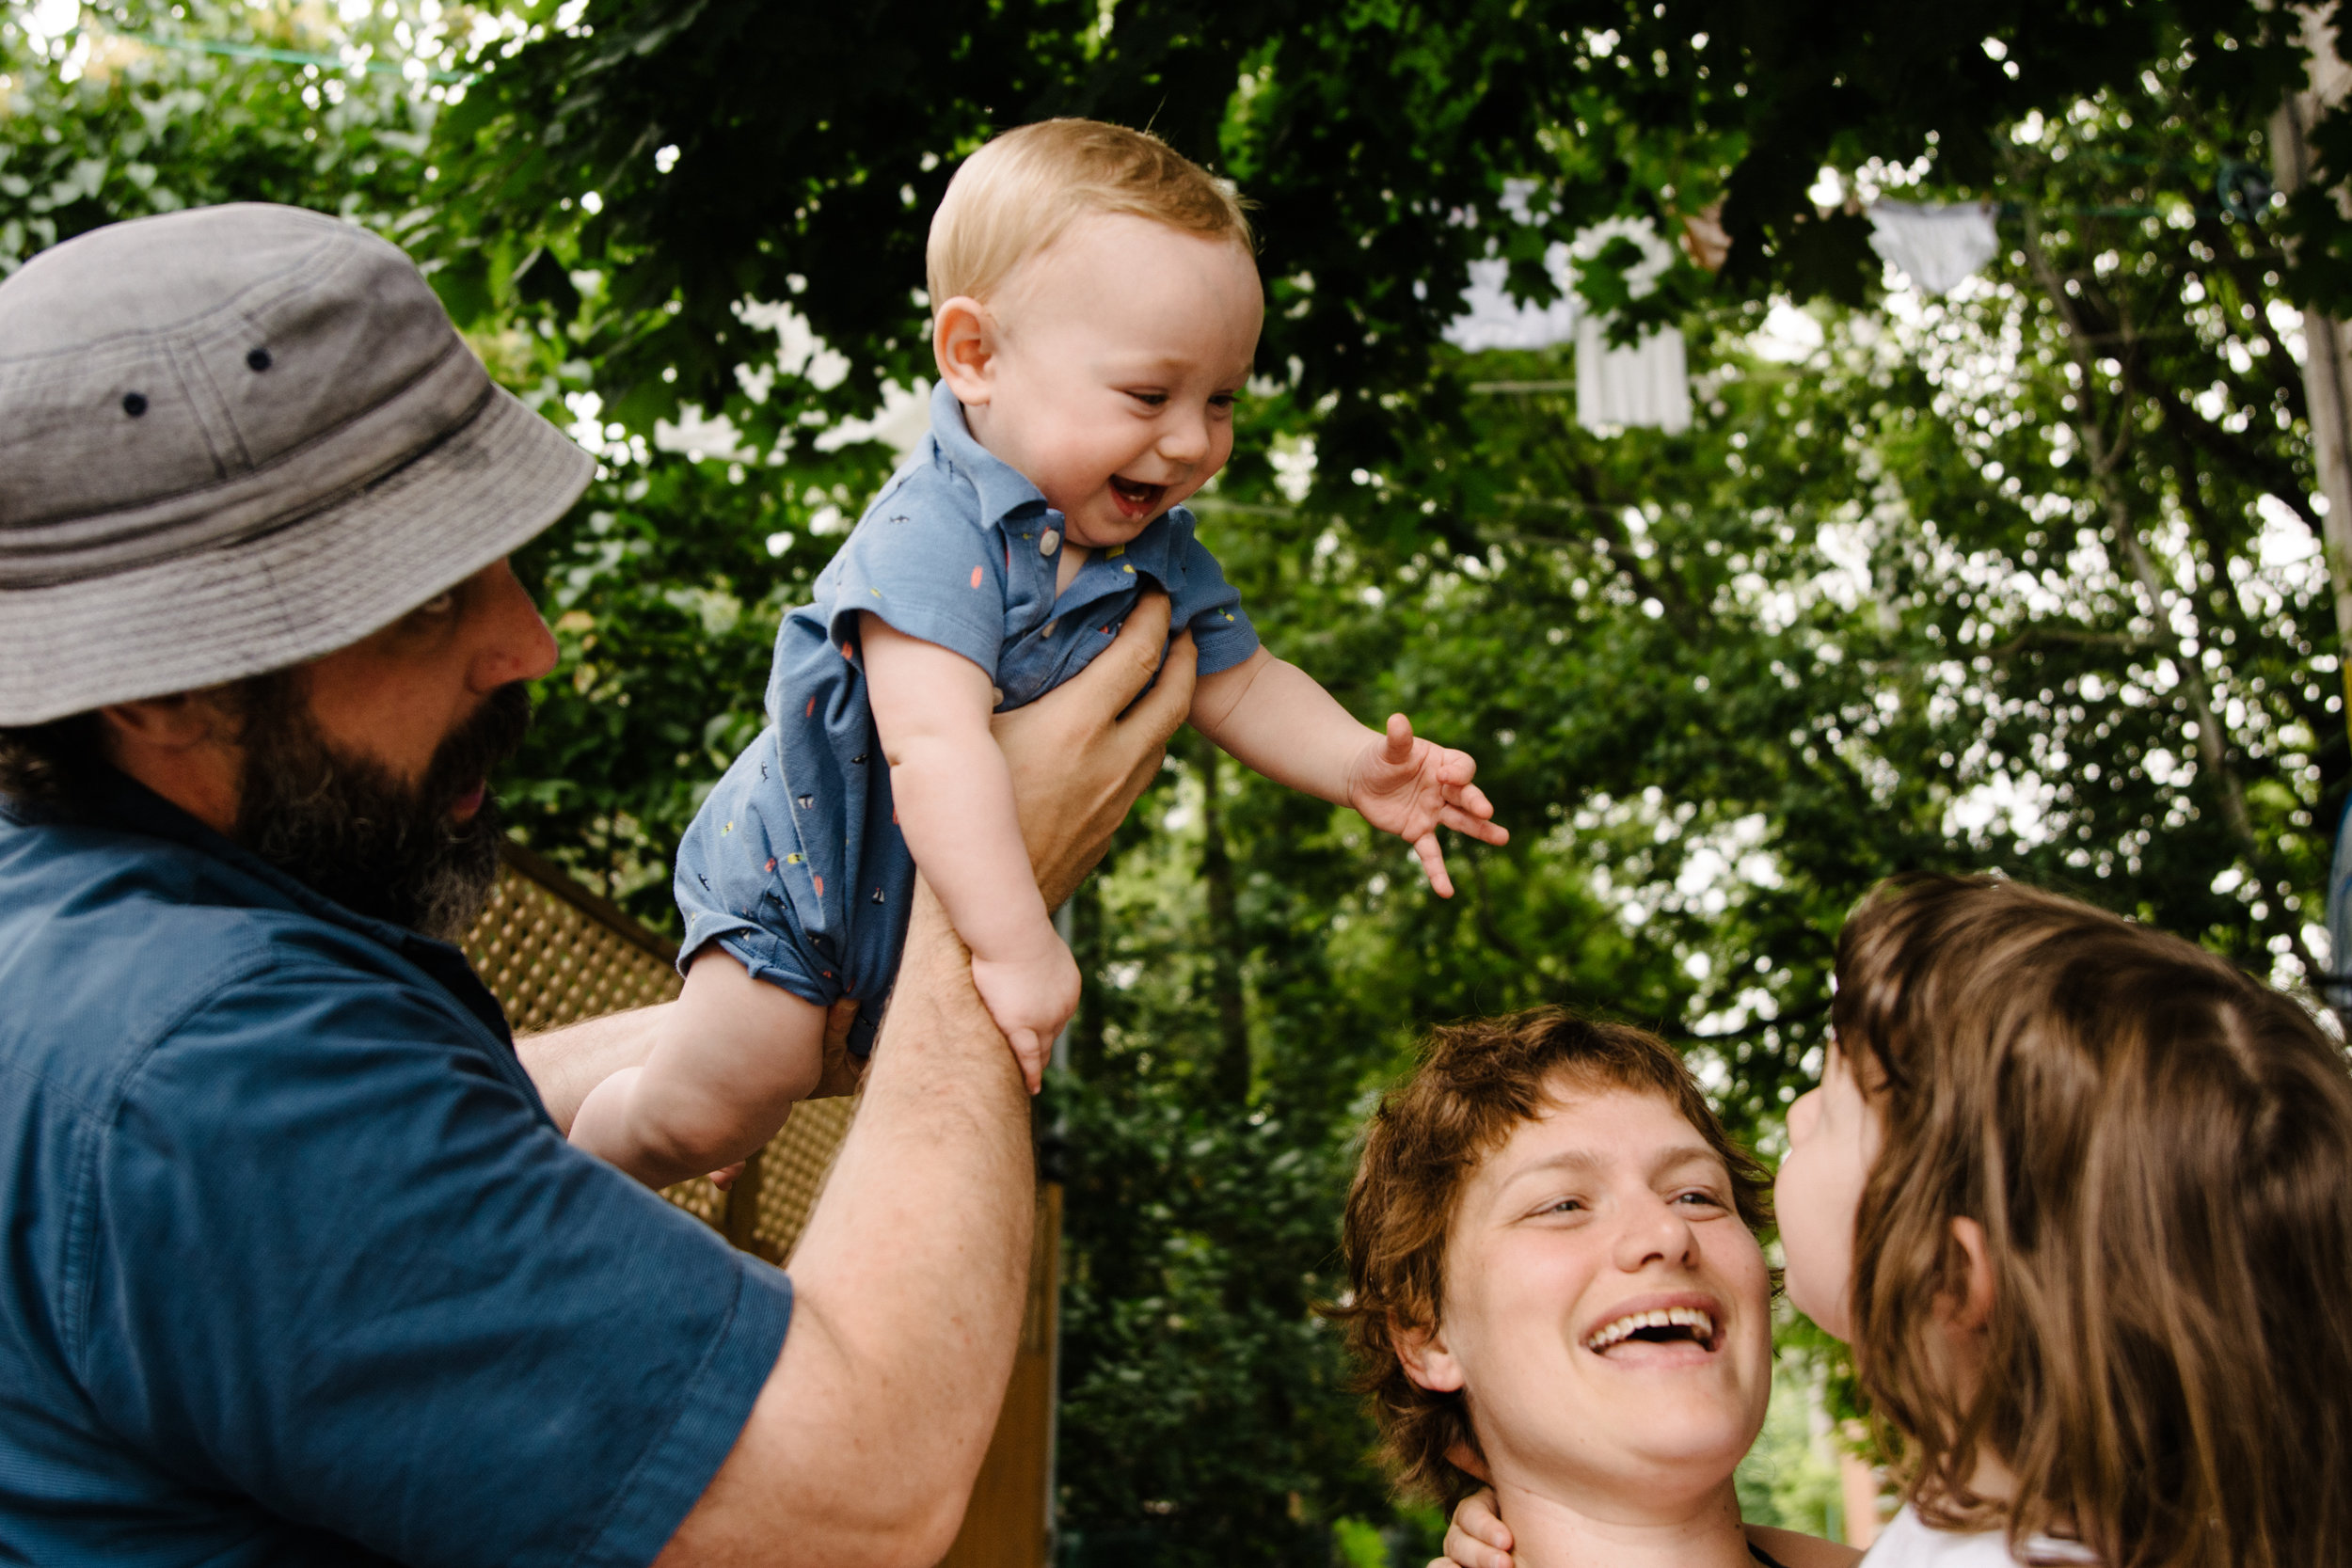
(1676, 1329)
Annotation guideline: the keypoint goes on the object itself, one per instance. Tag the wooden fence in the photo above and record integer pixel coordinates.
(555, 954)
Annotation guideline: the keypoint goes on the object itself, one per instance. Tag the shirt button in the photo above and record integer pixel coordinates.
(1048, 542)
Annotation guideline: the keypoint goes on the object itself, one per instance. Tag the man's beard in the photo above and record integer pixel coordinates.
(347, 827)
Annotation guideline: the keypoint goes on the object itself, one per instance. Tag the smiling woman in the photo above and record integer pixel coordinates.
(1559, 1292)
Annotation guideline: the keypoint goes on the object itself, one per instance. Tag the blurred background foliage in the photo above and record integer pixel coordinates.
(2022, 578)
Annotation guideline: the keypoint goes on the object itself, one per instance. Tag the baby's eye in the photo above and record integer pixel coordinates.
(1150, 399)
(1222, 402)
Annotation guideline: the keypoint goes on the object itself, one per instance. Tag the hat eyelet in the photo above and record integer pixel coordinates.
(257, 361)
(135, 403)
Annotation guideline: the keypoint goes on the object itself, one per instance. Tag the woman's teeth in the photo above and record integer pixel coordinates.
(1679, 1322)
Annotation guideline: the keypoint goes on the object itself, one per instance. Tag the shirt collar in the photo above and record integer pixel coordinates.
(122, 803)
(1005, 496)
(1003, 491)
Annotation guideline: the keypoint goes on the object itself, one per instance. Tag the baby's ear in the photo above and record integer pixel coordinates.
(963, 344)
(1421, 1350)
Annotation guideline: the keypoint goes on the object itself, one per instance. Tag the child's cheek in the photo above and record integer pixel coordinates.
(1817, 1213)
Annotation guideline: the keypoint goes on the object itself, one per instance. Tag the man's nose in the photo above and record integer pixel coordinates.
(515, 643)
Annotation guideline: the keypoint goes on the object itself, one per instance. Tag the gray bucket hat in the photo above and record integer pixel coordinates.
(235, 438)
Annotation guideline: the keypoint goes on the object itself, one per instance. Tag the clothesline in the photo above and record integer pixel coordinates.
(284, 56)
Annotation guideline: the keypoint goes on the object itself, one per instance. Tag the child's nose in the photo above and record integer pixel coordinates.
(1184, 440)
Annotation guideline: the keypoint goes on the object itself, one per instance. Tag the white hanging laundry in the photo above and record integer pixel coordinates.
(1492, 319)
(1648, 383)
(1936, 246)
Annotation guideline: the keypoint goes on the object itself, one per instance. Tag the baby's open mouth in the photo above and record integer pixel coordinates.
(1669, 1326)
(1136, 500)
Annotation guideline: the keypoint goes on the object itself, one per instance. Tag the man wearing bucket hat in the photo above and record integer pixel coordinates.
(298, 1266)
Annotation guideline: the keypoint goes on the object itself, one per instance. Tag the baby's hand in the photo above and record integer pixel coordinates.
(1477, 1538)
(1030, 997)
(1412, 788)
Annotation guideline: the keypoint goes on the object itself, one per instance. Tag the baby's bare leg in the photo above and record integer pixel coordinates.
(730, 1056)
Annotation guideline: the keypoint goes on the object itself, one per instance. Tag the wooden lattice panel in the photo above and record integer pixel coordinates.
(555, 954)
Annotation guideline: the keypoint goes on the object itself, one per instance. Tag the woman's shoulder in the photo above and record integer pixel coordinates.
(1792, 1550)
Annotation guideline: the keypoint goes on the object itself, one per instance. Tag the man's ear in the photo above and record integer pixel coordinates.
(963, 340)
(1972, 1304)
(1425, 1359)
(173, 723)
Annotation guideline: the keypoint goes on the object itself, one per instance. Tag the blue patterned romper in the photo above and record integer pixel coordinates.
(795, 864)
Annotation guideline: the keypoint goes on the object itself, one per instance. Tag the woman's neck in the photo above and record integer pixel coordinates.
(1551, 1530)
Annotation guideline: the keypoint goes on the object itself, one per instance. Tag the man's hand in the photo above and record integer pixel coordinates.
(1412, 788)
(1081, 755)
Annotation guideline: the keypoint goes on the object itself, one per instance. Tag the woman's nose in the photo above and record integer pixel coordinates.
(1656, 1231)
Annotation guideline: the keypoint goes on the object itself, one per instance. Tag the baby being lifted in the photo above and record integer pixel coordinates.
(1096, 312)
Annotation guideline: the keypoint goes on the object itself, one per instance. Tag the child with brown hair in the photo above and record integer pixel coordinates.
(2079, 1195)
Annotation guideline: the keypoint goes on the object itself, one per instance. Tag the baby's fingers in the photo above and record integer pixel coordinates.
(1470, 799)
(1477, 827)
(1433, 864)
(1030, 1054)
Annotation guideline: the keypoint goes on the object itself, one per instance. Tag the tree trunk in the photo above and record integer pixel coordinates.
(2326, 369)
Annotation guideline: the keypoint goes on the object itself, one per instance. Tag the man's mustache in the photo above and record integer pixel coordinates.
(467, 758)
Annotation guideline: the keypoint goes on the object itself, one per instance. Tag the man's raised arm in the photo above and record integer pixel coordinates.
(909, 1283)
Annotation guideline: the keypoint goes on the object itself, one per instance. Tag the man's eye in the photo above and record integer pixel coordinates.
(435, 608)
(1704, 1199)
(1566, 1206)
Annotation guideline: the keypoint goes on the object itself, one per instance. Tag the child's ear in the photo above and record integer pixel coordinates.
(964, 342)
(1425, 1359)
(1972, 1304)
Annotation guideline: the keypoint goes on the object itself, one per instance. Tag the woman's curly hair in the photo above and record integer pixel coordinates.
(1473, 1085)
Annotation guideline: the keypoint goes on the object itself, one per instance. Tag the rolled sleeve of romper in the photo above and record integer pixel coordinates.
(920, 563)
(1222, 632)
(338, 1260)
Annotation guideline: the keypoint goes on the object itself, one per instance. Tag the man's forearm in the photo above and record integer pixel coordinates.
(908, 1290)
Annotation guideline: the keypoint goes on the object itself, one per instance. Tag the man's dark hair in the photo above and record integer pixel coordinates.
(52, 765)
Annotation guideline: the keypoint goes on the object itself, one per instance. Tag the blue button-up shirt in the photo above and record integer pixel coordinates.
(297, 1268)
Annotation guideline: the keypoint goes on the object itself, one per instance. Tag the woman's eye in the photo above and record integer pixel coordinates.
(1702, 1199)
(1566, 1206)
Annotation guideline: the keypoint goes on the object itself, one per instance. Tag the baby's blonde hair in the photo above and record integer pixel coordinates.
(1016, 196)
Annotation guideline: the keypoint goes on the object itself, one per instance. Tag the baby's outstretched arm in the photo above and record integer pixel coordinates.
(1273, 717)
(955, 804)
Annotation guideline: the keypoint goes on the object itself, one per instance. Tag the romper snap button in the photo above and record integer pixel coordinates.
(135, 403)
(1048, 542)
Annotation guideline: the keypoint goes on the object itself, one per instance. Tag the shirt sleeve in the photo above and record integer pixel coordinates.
(341, 1264)
(1211, 606)
(921, 562)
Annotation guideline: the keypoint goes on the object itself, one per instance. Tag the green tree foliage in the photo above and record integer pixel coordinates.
(2022, 579)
